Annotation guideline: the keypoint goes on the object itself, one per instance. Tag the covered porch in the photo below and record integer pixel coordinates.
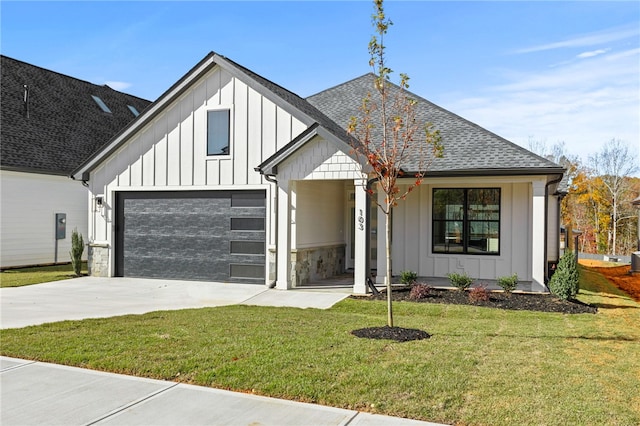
(323, 226)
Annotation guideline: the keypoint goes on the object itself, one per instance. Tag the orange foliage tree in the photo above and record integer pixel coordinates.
(599, 201)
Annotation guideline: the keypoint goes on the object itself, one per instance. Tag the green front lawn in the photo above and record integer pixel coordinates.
(481, 366)
(37, 275)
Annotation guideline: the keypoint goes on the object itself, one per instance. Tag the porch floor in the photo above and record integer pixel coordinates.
(344, 282)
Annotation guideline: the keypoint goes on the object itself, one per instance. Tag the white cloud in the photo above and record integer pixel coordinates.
(592, 53)
(583, 103)
(593, 39)
(118, 85)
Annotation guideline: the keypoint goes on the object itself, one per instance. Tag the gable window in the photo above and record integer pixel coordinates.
(218, 133)
(466, 221)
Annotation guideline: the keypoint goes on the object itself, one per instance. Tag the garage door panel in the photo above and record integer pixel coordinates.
(189, 235)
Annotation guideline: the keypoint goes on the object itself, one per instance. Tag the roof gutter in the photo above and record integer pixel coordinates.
(32, 171)
(490, 172)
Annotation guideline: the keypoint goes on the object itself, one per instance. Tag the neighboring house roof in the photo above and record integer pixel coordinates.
(468, 148)
(63, 124)
(563, 185)
(636, 202)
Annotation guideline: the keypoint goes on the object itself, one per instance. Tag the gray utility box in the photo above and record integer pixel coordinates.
(635, 261)
(61, 226)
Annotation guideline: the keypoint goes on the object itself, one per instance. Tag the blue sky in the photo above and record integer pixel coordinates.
(546, 71)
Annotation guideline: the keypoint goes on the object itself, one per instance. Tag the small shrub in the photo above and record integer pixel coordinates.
(508, 284)
(460, 281)
(408, 277)
(77, 248)
(479, 294)
(565, 281)
(420, 291)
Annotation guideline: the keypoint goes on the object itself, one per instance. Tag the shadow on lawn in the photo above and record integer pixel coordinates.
(520, 337)
(612, 306)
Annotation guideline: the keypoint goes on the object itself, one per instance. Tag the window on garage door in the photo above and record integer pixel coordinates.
(247, 241)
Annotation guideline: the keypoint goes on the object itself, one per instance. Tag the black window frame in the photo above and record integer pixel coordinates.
(217, 149)
(466, 220)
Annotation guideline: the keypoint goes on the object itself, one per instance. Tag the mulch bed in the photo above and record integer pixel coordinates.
(398, 334)
(515, 301)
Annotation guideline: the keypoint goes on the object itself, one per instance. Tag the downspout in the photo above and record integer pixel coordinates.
(560, 198)
(272, 179)
(546, 229)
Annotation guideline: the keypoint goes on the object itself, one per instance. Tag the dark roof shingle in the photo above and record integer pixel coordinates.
(64, 125)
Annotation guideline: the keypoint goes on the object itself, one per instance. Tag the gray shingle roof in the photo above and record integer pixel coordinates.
(64, 126)
(468, 148)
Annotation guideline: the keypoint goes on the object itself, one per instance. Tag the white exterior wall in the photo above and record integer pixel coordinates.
(412, 233)
(319, 213)
(27, 215)
(170, 152)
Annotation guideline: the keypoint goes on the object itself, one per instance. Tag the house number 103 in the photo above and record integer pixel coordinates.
(360, 221)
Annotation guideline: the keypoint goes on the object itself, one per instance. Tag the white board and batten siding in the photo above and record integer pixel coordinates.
(30, 202)
(170, 152)
(412, 218)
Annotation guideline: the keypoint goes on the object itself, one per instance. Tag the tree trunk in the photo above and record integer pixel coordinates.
(615, 223)
(387, 219)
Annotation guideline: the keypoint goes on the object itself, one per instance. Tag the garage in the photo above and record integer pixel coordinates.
(191, 235)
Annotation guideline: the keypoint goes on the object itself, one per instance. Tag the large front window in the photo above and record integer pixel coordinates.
(466, 220)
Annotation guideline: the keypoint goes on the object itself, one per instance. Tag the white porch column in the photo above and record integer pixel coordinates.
(538, 262)
(360, 239)
(283, 239)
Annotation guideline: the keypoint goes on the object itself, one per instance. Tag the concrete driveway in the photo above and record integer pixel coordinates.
(93, 297)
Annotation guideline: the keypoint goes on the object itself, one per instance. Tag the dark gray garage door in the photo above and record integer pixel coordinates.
(191, 235)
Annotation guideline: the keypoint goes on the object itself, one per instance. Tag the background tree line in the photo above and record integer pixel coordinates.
(600, 195)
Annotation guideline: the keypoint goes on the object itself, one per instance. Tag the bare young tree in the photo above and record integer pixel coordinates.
(388, 135)
(614, 164)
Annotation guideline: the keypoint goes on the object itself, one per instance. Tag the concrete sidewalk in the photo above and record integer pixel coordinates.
(94, 297)
(35, 393)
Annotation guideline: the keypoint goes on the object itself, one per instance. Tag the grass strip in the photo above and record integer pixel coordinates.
(37, 275)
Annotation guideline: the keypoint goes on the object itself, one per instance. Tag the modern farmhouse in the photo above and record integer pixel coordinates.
(230, 177)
